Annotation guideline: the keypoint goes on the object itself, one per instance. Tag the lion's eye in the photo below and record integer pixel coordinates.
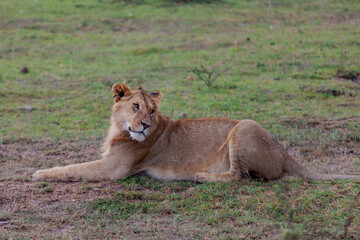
(136, 106)
(152, 111)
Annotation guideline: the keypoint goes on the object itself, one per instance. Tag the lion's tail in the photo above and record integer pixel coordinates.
(294, 168)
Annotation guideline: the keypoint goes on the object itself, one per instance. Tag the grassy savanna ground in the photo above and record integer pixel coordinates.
(294, 68)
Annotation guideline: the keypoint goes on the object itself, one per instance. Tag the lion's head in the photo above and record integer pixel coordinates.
(135, 111)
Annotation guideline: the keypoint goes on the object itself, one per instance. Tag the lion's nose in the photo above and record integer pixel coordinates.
(145, 125)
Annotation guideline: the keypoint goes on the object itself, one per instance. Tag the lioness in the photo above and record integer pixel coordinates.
(142, 140)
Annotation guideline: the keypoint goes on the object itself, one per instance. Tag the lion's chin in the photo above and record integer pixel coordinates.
(137, 136)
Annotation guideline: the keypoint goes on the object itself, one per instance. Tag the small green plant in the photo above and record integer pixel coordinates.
(45, 187)
(210, 74)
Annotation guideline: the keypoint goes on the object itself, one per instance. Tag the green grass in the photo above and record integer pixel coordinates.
(73, 65)
(287, 57)
(315, 205)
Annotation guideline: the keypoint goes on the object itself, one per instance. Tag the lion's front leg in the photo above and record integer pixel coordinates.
(105, 169)
(111, 167)
(90, 171)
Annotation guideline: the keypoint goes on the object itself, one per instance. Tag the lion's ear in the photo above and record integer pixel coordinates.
(156, 95)
(120, 90)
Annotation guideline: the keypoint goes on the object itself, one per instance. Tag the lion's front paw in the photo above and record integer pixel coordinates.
(200, 177)
(39, 175)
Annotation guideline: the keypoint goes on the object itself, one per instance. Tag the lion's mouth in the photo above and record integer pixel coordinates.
(137, 131)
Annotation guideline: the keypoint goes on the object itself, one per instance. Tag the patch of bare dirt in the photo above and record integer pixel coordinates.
(115, 25)
(48, 210)
(123, 25)
(351, 17)
(334, 150)
(352, 76)
(333, 92)
(323, 124)
(19, 159)
(27, 210)
(20, 23)
(326, 159)
(19, 195)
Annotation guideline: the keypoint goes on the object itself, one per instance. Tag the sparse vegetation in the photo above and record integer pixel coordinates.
(295, 70)
(210, 74)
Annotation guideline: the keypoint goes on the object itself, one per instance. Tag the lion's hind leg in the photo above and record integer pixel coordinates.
(237, 172)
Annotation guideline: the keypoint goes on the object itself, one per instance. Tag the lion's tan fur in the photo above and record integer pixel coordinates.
(142, 140)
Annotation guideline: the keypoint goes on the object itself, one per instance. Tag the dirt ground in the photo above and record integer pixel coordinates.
(22, 201)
